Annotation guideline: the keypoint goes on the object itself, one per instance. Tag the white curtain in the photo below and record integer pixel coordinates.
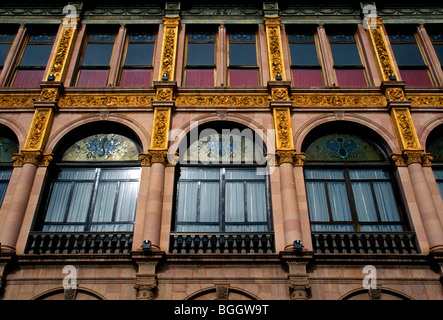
(317, 201)
(5, 175)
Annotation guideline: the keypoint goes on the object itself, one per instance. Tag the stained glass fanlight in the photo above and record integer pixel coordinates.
(102, 147)
(343, 148)
(436, 149)
(224, 148)
(7, 149)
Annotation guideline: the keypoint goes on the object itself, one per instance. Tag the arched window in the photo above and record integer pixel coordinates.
(435, 148)
(94, 186)
(8, 146)
(349, 185)
(222, 183)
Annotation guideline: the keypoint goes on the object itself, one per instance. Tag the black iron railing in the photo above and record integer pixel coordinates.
(364, 242)
(78, 242)
(256, 242)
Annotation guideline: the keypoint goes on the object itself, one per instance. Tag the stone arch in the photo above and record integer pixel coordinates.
(389, 140)
(59, 294)
(379, 294)
(142, 136)
(427, 129)
(229, 293)
(15, 128)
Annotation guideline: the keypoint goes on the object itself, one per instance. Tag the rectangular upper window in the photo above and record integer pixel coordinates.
(138, 59)
(408, 56)
(437, 42)
(306, 69)
(200, 58)
(96, 60)
(6, 40)
(242, 58)
(348, 65)
(35, 57)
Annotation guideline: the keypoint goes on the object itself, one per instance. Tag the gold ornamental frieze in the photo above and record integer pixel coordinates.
(283, 129)
(104, 100)
(62, 53)
(239, 100)
(426, 100)
(169, 48)
(405, 129)
(16, 100)
(160, 131)
(338, 100)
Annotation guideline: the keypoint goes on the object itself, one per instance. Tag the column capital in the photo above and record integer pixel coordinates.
(288, 156)
(408, 157)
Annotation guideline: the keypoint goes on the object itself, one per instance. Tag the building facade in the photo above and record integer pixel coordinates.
(182, 151)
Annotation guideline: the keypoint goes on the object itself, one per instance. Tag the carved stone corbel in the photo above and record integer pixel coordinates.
(299, 287)
(145, 287)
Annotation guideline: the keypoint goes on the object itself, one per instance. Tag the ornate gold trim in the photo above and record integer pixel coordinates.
(330, 100)
(160, 130)
(382, 52)
(76, 100)
(154, 156)
(404, 126)
(39, 131)
(279, 94)
(62, 53)
(426, 100)
(274, 44)
(222, 100)
(283, 129)
(169, 48)
(16, 100)
(412, 156)
(33, 157)
(289, 156)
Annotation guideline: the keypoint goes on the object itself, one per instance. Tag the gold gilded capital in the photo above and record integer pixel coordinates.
(412, 156)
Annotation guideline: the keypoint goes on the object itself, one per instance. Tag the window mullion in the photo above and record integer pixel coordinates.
(93, 200)
(351, 200)
(221, 205)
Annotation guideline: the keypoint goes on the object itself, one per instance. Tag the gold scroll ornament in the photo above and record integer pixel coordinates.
(169, 48)
(275, 52)
(283, 129)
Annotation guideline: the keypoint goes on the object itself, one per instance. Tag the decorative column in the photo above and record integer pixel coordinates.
(13, 53)
(413, 156)
(32, 156)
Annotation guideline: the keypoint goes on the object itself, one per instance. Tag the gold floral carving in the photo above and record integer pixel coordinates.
(412, 156)
(279, 94)
(105, 100)
(39, 130)
(405, 128)
(426, 100)
(33, 157)
(154, 156)
(62, 52)
(338, 100)
(161, 128)
(395, 94)
(222, 101)
(49, 94)
(382, 52)
(17, 100)
(289, 156)
(282, 123)
(275, 52)
(165, 94)
(169, 48)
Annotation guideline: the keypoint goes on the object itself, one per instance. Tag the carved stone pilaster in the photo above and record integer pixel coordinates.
(275, 51)
(283, 128)
(145, 287)
(169, 48)
(299, 287)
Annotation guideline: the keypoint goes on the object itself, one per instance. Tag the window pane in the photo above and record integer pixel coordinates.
(97, 54)
(407, 54)
(234, 202)
(345, 54)
(80, 201)
(200, 77)
(386, 203)
(36, 55)
(350, 77)
(76, 174)
(28, 78)
(92, 78)
(256, 201)
(136, 78)
(307, 77)
(333, 227)
(364, 201)
(439, 50)
(369, 175)
(127, 201)
(303, 54)
(242, 54)
(58, 201)
(104, 205)
(209, 201)
(200, 54)
(381, 228)
(187, 202)
(120, 174)
(243, 78)
(139, 54)
(415, 78)
(199, 173)
(317, 203)
(324, 174)
(338, 201)
(4, 49)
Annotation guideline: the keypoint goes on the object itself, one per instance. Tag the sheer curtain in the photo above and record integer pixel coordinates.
(5, 175)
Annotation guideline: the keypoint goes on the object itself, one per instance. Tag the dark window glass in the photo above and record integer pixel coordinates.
(303, 54)
(139, 54)
(407, 54)
(98, 54)
(200, 54)
(35, 55)
(345, 54)
(5, 44)
(242, 54)
(437, 41)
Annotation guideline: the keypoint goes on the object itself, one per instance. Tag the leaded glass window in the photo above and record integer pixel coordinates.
(94, 186)
(349, 186)
(223, 184)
